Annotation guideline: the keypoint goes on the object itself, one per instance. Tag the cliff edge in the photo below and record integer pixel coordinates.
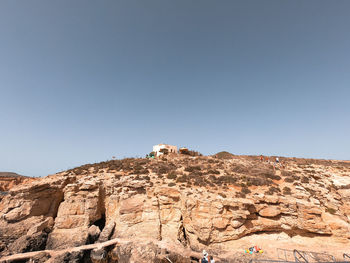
(180, 205)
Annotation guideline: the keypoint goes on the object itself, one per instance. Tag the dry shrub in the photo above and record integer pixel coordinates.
(310, 171)
(331, 210)
(287, 190)
(172, 175)
(182, 179)
(245, 190)
(141, 178)
(289, 179)
(213, 172)
(238, 168)
(315, 176)
(199, 181)
(305, 180)
(256, 181)
(191, 153)
(273, 190)
(240, 195)
(147, 178)
(162, 169)
(270, 174)
(193, 168)
(311, 192)
(225, 179)
(127, 165)
(285, 173)
(140, 170)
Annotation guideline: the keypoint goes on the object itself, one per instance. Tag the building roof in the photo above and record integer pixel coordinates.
(164, 144)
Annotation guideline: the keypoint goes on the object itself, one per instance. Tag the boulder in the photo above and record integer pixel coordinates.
(270, 211)
(94, 233)
(106, 232)
(45, 225)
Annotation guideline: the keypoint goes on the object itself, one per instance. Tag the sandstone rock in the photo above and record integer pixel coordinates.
(67, 206)
(344, 193)
(106, 232)
(271, 199)
(94, 233)
(18, 213)
(237, 223)
(132, 253)
(65, 238)
(132, 205)
(270, 211)
(336, 224)
(9, 180)
(99, 255)
(45, 225)
(340, 181)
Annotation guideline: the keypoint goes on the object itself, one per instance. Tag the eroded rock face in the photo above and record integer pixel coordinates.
(67, 210)
(9, 180)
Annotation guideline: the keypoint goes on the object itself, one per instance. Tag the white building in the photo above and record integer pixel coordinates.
(158, 147)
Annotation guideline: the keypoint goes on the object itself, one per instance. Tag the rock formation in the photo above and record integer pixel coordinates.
(177, 204)
(9, 180)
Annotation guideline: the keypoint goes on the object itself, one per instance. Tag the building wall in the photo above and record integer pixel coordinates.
(158, 147)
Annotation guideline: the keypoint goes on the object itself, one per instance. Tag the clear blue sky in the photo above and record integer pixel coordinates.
(82, 81)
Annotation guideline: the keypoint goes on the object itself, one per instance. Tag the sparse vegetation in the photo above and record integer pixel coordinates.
(172, 175)
(222, 171)
(287, 190)
(285, 173)
(272, 190)
(245, 190)
(182, 179)
(331, 210)
(213, 172)
(305, 180)
(240, 195)
(192, 169)
(311, 191)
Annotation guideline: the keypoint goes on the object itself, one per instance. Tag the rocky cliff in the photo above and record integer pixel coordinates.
(9, 180)
(179, 205)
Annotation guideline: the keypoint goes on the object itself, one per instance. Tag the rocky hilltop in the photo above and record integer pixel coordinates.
(10, 179)
(173, 207)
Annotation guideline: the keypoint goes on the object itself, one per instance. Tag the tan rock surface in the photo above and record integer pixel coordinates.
(9, 180)
(210, 203)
